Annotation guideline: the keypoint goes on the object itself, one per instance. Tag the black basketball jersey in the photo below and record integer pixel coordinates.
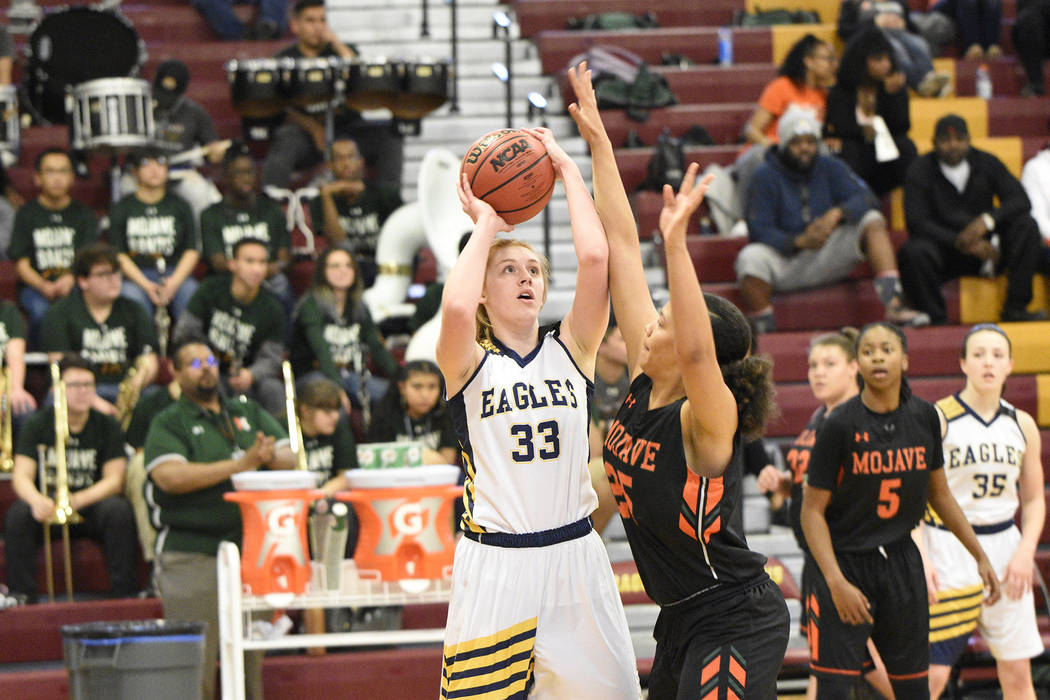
(686, 531)
(798, 461)
(877, 467)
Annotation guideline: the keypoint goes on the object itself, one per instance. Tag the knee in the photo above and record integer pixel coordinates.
(916, 251)
(115, 510)
(19, 516)
(1015, 677)
(755, 260)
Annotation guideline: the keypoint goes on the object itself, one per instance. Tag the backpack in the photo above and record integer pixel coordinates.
(614, 20)
(769, 18)
(622, 79)
(667, 165)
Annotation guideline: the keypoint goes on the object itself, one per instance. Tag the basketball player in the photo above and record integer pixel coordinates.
(833, 381)
(534, 609)
(875, 464)
(674, 452)
(991, 456)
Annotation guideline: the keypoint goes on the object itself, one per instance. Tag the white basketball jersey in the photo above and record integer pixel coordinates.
(522, 424)
(982, 461)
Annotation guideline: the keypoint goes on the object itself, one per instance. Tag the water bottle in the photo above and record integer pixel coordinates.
(725, 46)
(984, 82)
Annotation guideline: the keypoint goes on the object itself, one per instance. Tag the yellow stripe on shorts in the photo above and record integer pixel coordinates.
(956, 613)
(494, 667)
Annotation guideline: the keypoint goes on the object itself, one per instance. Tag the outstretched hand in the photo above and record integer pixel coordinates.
(674, 217)
(559, 158)
(477, 208)
(584, 110)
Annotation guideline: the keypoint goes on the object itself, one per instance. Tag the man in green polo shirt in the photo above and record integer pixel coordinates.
(193, 447)
(95, 459)
(109, 330)
(244, 323)
(156, 235)
(47, 233)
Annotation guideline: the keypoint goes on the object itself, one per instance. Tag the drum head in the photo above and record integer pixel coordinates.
(74, 45)
(425, 89)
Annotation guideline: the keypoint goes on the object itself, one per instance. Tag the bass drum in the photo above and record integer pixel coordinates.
(75, 45)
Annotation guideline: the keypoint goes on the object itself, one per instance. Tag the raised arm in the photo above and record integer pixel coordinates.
(457, 350)
(631, 300)
(709, 416)
(585, 323)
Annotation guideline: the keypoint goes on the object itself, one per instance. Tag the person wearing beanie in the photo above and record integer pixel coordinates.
(810, 222)
(955, 227)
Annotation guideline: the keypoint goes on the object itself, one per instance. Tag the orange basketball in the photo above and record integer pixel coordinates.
(510, 170)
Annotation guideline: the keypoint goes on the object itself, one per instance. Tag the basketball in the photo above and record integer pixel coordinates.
(512, 172)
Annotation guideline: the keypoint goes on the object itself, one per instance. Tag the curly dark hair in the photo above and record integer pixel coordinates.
(853, 68)
(749, 377)
(794, 65)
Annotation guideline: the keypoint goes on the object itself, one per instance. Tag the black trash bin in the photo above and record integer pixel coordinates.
(134, 659)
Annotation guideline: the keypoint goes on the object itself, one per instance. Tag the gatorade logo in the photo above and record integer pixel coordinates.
(409, 519)
(281, 520)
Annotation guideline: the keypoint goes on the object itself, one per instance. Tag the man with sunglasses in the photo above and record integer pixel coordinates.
(109, 330)
(193, 447)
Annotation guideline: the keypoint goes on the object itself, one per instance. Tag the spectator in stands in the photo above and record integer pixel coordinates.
(868, 113)
(910, 49)
(95, 467)
(413, 410)
(810, 221)
(47, 232)
(192, 449)
(327, 438)
(10, 200)
(112, 332)
(993, 466)
(13, 351)
(221, 19)
(246, 213)
(1035, 178)
(351, 209)
(301, 141)
(1031, 37)
(183, 124)
(333, 334)
(155, 235)
(833, 381)
(244, 323)
(953, 223)
(977, 24)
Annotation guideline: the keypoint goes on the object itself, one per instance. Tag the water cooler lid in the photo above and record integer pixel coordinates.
(276, 480)
(403, 477)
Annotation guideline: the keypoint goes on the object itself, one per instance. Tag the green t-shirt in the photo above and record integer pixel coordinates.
(322, 341)
(222, 225)
(148, 232)
(112, 345)
(147, 408)
(434, 430)
(328, 455)
(99, 441)
(235, 330)
(361, 219)
(199, 520)
(50, 239)
(12, 325)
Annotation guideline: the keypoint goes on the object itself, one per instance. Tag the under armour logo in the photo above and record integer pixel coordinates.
(860, 437)
(629, 401)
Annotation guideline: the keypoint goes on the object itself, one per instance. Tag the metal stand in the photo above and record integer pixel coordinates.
(538, 105)
(501, 25)
(454, 97)
(424, 30)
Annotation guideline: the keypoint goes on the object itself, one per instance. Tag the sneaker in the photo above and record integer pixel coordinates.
(1023, 315)
(932, 84)
(900, 315)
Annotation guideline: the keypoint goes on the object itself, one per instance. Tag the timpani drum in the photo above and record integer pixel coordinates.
(307, 81)
(424, 88)
(10, 129)
(373, 84)
(112, 113)
(255, 86)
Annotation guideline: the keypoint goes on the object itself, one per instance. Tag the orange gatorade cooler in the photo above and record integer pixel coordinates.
(275, 557)
(405, 517)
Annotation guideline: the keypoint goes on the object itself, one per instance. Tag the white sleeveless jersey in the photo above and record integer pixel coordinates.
(522, 424)
(982, 461)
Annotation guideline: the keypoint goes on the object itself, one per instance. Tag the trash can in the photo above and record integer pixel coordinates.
(134, 659)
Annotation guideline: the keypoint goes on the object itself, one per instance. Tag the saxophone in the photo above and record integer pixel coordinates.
(128, 393)
(295, 432)
(7, 452)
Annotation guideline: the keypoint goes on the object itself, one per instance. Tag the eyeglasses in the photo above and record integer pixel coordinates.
(197, 362)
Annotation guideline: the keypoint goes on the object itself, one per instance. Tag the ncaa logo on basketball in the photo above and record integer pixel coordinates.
(480, 146)
(508, 154)
(281, 520)
(409, 518)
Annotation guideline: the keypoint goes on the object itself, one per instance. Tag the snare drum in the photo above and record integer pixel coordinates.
(255, 86)
(112, 113)
(10, 129)
(373, 84)
(424, 89)
(309, 81)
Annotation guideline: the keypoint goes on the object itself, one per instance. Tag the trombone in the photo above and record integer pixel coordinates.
(64, 514)
(7, 451)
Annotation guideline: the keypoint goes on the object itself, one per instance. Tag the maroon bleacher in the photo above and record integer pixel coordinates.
(535, 16)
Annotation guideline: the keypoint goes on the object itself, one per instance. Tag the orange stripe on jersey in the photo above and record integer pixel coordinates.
(834, 671)
(710, 670)
(813, 627)
(713, 695)
(712, 502)
(737, 671)
(908, 676)
(687, 516)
